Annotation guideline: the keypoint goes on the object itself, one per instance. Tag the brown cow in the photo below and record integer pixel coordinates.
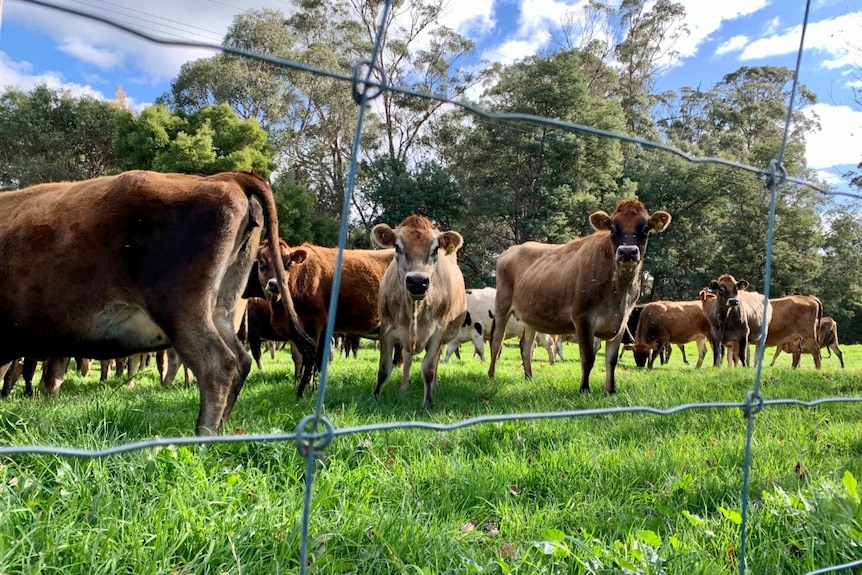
(827, 335)
(731, 349)
(795, 320)
(136, 262)
(309, 279)
(663, 323)
(422, 300)
(587, 286)
(735, 317)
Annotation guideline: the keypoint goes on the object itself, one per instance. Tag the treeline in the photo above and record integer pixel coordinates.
(497, 182)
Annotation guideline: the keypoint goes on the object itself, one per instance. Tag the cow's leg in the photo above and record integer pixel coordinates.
(550, 347)
(498, 333)
(450, 349)
(527, 342)
(834, 347)
(53, 372)
(587, 355)
(775, 355)
(429, 366)
(225, 324)
(11, 374)
(701, 352)
(717, 350)
(655, 353)
(611, 358)
(296, 356)
(743, 351)
(478, 344)
(83, 364)
(104, 368)
(254, 345)
(682, 351)
(816, 354)
(28, 370)
(4, 369)
(384, 367)
(406, 362)
(171, 368)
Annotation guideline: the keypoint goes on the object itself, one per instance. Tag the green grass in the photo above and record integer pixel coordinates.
(620, 493)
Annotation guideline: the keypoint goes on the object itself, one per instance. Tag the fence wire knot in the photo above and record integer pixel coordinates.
(753, 404)
(370, 84)
(777, 174)
(312, 444)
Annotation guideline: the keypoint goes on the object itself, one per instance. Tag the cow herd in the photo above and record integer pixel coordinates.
(144, 261)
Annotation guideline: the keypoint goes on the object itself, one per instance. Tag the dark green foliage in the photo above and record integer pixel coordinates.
(48, 135)
(212, 139)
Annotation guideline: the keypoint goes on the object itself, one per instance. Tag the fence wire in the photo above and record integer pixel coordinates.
(367, 82)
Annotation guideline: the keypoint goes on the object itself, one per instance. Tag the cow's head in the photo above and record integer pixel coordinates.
(418, 245)
(265, 269)
(726, 289)
(630, 226)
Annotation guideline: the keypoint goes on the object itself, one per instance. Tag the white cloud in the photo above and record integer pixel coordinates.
(705, 18)
(20, 75)
(834, 37)
(472, 18)
(100, 57)
(837, 143)
(735, 44)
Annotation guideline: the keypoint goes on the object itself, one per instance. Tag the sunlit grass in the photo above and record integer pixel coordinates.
(594, 494)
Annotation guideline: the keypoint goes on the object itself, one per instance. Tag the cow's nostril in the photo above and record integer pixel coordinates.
(272, 286)
(417, 284)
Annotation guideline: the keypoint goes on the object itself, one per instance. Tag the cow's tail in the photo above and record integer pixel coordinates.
(259, 188)
(819, 319)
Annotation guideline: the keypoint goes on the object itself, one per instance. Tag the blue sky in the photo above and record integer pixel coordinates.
(40, 45)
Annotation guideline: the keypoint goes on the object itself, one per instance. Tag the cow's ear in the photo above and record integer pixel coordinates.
(713, 285)
(383, 236)
(298, 255)
(702, 295)
(659, 221)
(450, 242)
(742, 284)
(600, 221)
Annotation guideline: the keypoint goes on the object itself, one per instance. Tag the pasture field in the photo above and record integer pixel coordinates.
(619, 493)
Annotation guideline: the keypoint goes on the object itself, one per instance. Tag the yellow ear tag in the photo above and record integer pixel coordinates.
(450, 249)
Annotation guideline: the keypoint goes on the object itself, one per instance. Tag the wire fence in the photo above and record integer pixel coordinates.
(315, 432)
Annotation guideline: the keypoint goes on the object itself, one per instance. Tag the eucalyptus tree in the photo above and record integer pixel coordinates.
(742, 119)
(52, 135)
(839, 284)
(525, 181)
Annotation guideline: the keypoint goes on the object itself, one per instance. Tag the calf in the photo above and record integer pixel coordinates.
(136, 262)
(795, 320)
(663, 323)
(827, 335)
(587, 286)
(422, 300)
(310, 273)
(735, 317)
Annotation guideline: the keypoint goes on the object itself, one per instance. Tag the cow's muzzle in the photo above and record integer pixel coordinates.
(631, 254)
(417, 285)
(272, 286)
(732, 301)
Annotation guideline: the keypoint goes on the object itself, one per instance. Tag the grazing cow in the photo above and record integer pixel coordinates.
(587, 286)
(795, 321)
(735, 317)
(422, 299)
(663, 323)
(478, 322)
(136, 262)
(309, 279)
(827, 335)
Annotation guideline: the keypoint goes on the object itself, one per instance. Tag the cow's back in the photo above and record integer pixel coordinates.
(751, 309)
(112, 250)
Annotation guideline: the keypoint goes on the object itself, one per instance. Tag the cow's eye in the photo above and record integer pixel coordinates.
(261, 263)
(614, 228)
(398, 249)
(434, 251)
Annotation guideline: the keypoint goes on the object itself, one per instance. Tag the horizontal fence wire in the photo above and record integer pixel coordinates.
(308, 436)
